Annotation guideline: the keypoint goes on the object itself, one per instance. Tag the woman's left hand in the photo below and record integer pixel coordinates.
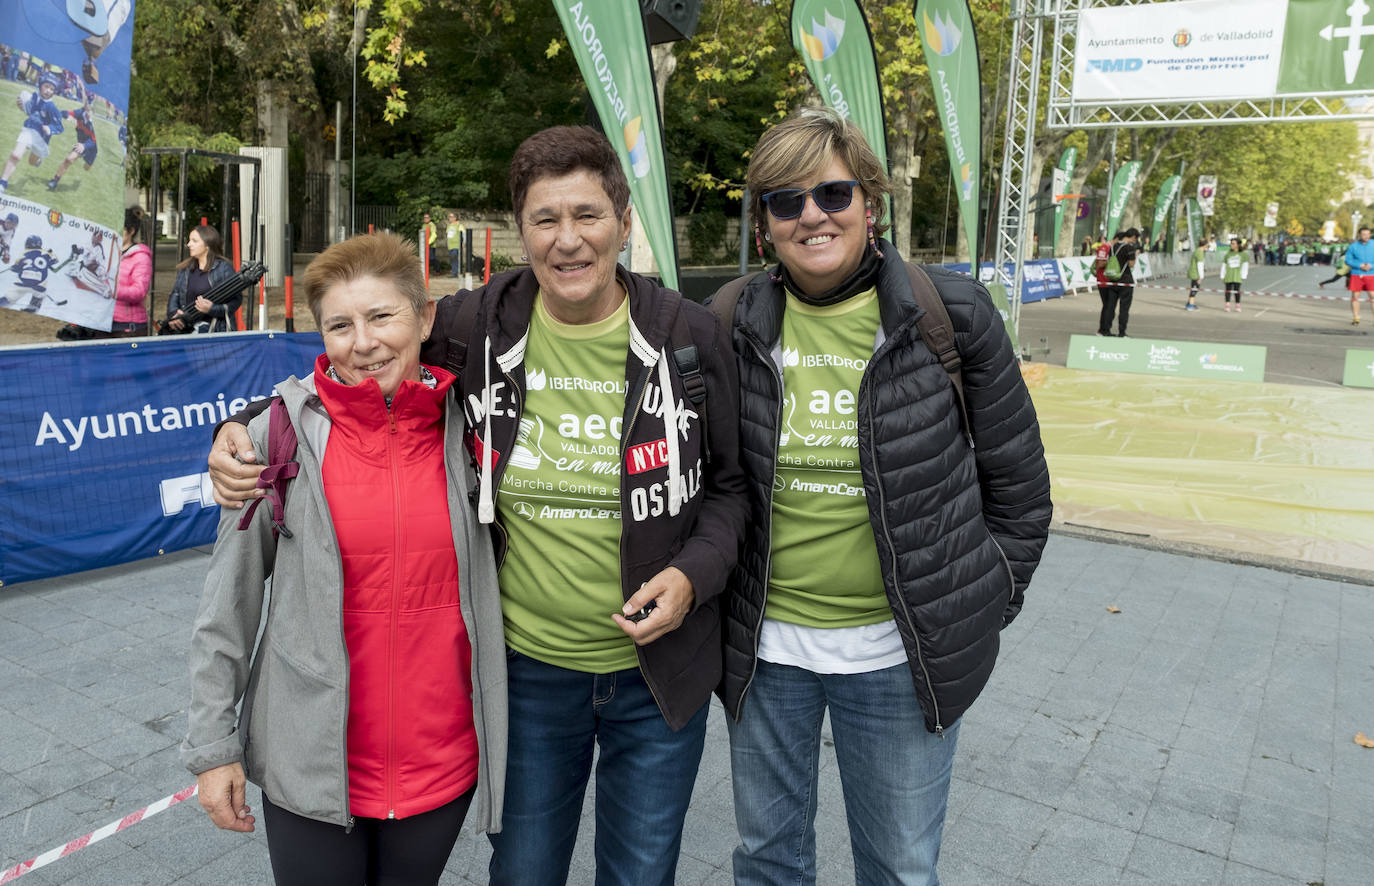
(204, 305)
(672, 594)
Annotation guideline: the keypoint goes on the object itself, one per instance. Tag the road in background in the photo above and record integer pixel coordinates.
(1306, 338)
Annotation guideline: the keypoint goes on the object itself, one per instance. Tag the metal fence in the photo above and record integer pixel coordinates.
(310, 210)
(380, 217)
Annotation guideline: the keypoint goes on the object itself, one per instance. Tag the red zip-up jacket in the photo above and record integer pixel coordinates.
(411, 743)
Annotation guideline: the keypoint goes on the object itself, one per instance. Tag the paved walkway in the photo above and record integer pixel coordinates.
(1203, 734)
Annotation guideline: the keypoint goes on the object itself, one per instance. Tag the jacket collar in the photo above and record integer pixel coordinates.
(761, 304)
(362, 409)
(507, 315)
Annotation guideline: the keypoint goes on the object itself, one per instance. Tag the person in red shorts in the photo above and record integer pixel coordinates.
(1360, 258)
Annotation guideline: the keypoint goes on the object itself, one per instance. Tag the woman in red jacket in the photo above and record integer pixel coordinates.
(363, 707)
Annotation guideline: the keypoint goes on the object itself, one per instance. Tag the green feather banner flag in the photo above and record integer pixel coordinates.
(612, 51)
(1168, 192)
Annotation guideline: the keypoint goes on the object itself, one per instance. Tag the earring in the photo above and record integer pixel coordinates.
(768, 236)
(624, 246)
(524, 258)
(758, 239)
(872, 240)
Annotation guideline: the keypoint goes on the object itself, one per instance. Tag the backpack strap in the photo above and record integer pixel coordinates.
(688, 362)
(281, 467)
(727, 297)
(456, 354)
(937, 331)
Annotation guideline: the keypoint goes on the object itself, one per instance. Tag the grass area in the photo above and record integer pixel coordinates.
(96, 195)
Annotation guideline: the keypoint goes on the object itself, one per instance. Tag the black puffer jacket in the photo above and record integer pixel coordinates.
(959, 531)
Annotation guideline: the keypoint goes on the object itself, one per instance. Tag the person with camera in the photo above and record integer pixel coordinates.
(197, 275)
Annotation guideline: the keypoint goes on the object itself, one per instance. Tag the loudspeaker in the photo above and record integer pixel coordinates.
(669, 20)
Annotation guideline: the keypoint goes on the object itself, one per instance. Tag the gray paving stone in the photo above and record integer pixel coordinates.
(1193, 814)
(1237, 874)
(1201, 736)
(35, 829)
(1166, 862)
(1050, 866)
(1278, 838)
(65, 768)
(1085, 837)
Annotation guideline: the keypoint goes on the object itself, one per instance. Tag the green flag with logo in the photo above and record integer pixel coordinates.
(1326, 47)
(1194, 222)
(1067, 160)
(612, 52)
(1123, 183)
(1164, 201)
(952, 55)
(833, 40)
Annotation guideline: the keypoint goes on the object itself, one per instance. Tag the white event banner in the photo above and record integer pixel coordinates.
(1194, 50)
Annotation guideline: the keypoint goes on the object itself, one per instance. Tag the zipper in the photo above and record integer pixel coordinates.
(1011, 579)
(495, 482)
(394, 618)
(891, 547)
(469, 625)
(641, 389)
(317, 488)
(766, 360)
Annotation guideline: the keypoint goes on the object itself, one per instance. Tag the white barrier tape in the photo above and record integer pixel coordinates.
(1250, 292)
(114, 827)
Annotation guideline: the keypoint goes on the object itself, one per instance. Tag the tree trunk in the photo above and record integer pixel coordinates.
(1133, 207)
(903, 162)
(1098, 140)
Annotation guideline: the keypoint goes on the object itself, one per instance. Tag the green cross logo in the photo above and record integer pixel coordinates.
(1356, 30)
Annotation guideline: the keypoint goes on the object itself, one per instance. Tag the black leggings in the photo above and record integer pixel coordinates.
(378, 852)
(1232, 288)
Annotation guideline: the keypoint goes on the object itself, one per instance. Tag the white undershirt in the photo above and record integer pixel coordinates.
(856, 650)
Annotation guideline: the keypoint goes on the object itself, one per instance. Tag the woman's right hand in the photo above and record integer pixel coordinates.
(233, 467)
(221, 792)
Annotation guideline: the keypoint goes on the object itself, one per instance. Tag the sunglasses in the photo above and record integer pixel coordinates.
(829, 197)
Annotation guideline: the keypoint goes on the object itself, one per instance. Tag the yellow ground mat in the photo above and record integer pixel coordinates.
(1277, 470)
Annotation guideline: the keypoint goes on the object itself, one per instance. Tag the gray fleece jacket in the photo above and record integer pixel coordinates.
(290, 735)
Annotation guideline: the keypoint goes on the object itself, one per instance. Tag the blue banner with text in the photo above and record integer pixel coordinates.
(103, 444)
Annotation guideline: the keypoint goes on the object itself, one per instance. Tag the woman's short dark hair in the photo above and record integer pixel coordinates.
(562, 150)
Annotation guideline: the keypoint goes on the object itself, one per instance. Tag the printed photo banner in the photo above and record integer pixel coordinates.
(112, 469)
(1207, 50)
(1064, 174)
(1206, 194)
(64, 95)
(1271, 214)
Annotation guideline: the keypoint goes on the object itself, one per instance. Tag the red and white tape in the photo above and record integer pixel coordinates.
(1322, 296)
(11, 874)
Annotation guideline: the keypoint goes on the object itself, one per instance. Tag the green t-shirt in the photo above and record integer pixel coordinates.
(560, 498)
(825, 571)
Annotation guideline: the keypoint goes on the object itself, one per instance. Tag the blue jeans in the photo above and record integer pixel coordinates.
(644, 777)
(895, 775)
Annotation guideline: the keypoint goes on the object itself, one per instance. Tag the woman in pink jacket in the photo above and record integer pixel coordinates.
(135, 272)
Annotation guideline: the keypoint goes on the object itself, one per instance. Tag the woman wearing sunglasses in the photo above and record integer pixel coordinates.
(885, 552)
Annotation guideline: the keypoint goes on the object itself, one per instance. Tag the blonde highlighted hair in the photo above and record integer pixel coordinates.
(800, 147)
(384, 256)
